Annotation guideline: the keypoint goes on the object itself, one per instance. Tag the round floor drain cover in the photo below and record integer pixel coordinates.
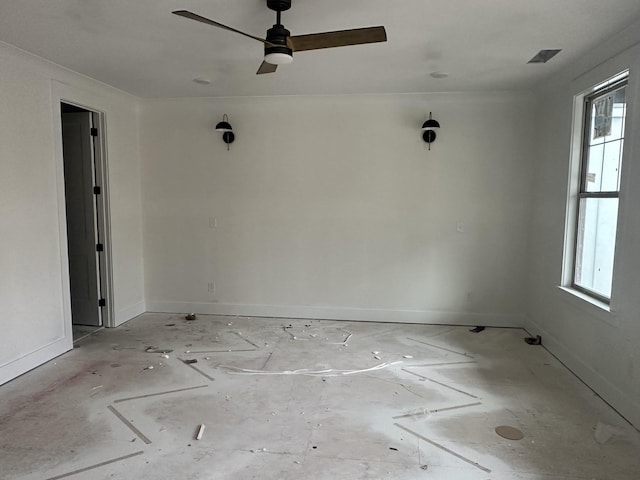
(510, 433)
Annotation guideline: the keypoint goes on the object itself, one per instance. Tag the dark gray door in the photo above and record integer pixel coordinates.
(78, 154)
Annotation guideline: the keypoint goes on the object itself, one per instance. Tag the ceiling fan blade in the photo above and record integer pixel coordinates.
(198, 18)
(340, 38)
(266, 68)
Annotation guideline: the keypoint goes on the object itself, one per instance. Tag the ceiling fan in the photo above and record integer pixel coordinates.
(280, 45)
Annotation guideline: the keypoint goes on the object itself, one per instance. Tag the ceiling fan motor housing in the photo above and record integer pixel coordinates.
(277, 38)
(279, 5)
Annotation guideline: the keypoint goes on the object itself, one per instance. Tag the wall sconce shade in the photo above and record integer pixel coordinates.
(227, 132)
(223, 127)
(428, 128)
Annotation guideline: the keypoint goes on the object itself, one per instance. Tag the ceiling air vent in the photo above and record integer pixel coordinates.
(543, 56)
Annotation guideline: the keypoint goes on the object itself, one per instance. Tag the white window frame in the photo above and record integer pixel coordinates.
(577, 190)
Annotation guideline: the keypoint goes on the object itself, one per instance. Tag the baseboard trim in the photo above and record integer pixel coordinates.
(624, 404)
(27, 362)
(333, 313)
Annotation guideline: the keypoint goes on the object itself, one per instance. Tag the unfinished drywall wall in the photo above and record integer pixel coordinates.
(34, 294)
(600, 346)
(333, 207)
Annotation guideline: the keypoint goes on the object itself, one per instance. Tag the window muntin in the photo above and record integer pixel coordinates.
(599, 190)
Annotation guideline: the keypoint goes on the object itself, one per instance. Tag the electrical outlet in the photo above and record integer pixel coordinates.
(460, 227)
(211, 286)
(213, 222)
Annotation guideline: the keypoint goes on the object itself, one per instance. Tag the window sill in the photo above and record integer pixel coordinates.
(590, 305)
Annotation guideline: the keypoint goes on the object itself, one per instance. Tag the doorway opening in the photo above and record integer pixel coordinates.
(87, 217)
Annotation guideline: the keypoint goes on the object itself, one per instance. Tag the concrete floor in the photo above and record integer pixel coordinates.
(429, 411)
(82, 331)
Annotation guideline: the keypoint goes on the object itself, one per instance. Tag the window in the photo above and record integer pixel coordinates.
(599, 188)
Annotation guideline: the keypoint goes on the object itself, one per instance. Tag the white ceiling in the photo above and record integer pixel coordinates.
(140, 47)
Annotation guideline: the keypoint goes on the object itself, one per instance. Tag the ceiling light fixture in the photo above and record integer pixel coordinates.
(227, 132)
(428, 128)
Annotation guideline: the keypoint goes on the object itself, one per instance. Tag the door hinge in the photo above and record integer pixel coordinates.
(94, 132)
(99, 247)
(96, 190)
(102, 302)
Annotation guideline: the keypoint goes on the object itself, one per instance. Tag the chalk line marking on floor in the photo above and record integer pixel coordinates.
(208, 377)
(441, 348)
(122, 418)
(246, 339)
(225, 351)
(440, 383)
(396, 383)
(97, 465)
(426, 411)
(443, 448)
(120, 400)
(443, 364)
(267, 361)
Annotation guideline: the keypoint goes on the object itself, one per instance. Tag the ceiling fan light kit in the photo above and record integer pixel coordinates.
(280, 45)
(276, 50)
(278, 58)
(429, 130)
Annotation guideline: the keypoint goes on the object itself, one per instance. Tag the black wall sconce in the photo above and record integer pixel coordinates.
(227, 132)
(428, 128)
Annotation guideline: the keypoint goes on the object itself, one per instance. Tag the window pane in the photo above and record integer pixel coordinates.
(596, 238)
(611, 166)
(604, 146)
(593, 181)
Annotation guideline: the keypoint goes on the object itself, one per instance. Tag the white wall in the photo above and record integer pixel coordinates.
(332, 207)
(35, 317)
(602, 347)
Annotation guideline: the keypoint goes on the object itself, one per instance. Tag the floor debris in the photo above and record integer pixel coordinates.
(190, 316)
(200, 432)
(478, 329)
(158, 350)
(537, 340)
(190, 361)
